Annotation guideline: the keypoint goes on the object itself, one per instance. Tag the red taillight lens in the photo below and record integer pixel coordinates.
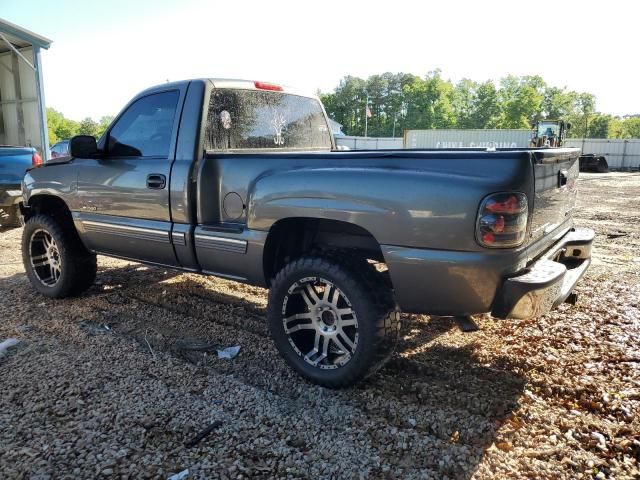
(488, 237)
(502, 220)
(510, 205)
(268, 86)
(36, 160)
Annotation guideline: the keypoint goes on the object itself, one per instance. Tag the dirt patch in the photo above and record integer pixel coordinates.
(102, 385)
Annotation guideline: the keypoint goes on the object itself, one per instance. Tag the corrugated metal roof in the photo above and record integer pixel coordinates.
(20, 37)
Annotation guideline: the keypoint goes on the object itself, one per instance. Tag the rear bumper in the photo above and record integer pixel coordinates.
(443, 282)
(547, 282)
(10, 195)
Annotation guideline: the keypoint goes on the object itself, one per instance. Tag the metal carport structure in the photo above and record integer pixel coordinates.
(23, 115)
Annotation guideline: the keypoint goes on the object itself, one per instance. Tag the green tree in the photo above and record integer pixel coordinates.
(476, 104)
(88, 127)
(387, 103)
(400, 101)
(346, 105)
(615, 128)
(429, 102)
(487, 107)
(558, 104)
(377, 89)
(103, 124)
(59, 127)
(583, 110)
(521, 101)
(631, 128)
(464, 102)
(599, 126)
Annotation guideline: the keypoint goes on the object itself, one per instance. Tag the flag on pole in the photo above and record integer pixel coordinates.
(367, 112)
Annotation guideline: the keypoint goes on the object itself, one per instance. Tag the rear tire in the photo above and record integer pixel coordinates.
(10, 217)
(334, 320)
(603, 166)
(57, 263)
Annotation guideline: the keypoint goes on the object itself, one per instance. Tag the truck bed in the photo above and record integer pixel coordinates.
(434, 173)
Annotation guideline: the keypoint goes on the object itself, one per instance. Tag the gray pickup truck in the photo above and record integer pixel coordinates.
(240, 180)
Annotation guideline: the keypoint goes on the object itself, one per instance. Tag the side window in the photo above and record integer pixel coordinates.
(144, 130)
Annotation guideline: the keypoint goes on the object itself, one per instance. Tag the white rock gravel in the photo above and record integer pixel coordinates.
(103, 387)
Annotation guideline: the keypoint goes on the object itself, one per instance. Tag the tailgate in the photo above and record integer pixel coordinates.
(14, 162)
(556, 174)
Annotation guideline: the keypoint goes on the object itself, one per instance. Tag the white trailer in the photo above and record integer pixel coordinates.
(467, 138)
(23, 114)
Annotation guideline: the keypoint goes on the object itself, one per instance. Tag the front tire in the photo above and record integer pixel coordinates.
(332, 319)
(56, 262)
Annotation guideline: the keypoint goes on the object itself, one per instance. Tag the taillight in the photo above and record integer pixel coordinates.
(36, 160)
(502, 220)
(268, 86)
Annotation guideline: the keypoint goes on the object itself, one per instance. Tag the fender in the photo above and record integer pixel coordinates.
(53, 180)
(311, 193)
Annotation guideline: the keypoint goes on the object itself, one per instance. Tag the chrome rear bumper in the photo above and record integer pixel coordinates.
(548, 281)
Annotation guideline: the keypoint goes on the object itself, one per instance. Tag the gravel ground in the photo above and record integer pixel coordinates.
(103, 386)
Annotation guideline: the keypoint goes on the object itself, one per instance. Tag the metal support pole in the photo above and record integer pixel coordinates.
(366, 117)
(42, 109)
(17, 88)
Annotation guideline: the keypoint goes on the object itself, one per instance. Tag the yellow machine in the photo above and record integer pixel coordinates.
(552, 133)
(549, 133)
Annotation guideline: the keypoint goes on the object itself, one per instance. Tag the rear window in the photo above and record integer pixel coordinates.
(259, 120)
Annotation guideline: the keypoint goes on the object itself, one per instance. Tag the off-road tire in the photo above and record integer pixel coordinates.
(371, 299)
(78, 265)
(603, 166)
(9, 217)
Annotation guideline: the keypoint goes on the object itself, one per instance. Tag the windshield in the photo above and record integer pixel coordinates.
(548, 129)
(258, 120)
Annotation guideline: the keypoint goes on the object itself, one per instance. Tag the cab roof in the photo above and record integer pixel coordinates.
(234, 83)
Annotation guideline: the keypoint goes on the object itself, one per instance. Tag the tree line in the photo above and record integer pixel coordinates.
(403, 101)
(62, 128)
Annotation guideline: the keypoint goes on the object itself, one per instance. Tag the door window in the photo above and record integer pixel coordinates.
(144, 130)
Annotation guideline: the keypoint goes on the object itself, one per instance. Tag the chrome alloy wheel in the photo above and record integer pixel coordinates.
(45, 258)
(320, 323)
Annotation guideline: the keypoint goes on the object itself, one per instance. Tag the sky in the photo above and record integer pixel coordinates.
(104, 52)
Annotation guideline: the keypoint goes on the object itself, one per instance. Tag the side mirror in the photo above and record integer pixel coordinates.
(83, 146)
(568, 126)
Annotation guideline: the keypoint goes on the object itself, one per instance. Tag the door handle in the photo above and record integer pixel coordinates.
(156, 181)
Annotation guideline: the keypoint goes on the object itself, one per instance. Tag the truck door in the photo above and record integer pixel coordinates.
(124, 195)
